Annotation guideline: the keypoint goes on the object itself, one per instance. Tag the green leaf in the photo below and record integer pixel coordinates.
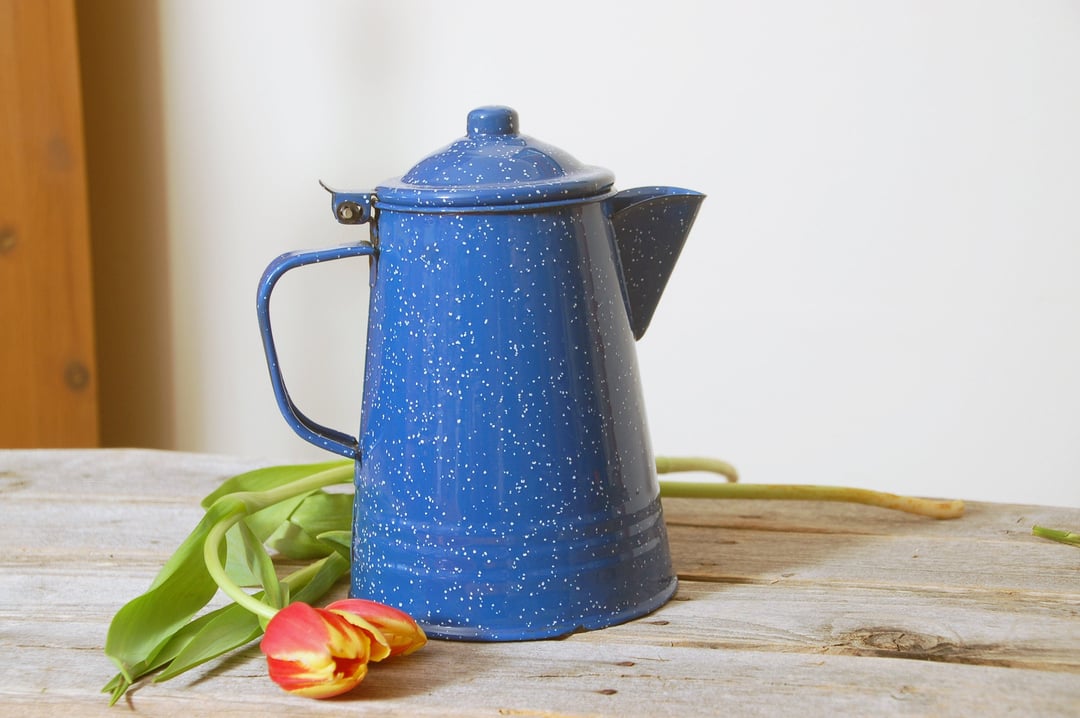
(167, 652)
(141, 627)
(118, 686)
(236, 567)
(327, 573)
(229, 628)
(259, 563)
(263, 524)
(268, 478)
(319, 513)
(158, 628)
(340, 541)
(294, 543)
(192, 546)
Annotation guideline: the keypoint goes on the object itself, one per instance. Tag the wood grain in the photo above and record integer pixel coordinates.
(782, 607)
(48, 374)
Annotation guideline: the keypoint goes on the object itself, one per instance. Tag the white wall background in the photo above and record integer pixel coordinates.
(882, 289)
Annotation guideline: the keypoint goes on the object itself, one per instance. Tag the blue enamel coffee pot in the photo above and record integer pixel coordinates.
(505, 482)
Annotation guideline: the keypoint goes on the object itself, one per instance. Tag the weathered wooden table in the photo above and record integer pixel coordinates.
(783, 607)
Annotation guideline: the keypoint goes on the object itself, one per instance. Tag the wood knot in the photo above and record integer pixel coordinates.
(890, 641)
(8, 238)
(901, 641)
(76, 375)
(58, 153)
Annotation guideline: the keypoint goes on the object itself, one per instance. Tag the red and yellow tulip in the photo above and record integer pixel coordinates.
(402, 633)
(324, 652)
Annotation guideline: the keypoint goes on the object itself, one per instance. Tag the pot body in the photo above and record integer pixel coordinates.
(505, 482)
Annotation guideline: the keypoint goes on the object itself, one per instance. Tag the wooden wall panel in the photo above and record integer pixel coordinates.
(48, 377)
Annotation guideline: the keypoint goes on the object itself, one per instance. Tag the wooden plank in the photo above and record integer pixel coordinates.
(48, 375)
(728, 556)
(980, 520)
(564, 678)
(723, 541)
(1038, 631)
(947, 626)
(1020, 562)
(782, 607)
(141, 475)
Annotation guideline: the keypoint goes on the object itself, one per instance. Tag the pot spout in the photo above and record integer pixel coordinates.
(651, 225)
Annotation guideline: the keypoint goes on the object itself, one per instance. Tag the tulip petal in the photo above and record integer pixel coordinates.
(380, 646)
(316, 653)
(334, 679)
(400, 630)
(296, 632)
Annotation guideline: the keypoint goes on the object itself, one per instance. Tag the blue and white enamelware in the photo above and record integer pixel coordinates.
(505, 483)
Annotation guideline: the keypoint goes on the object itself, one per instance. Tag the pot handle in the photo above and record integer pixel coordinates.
(324, 437)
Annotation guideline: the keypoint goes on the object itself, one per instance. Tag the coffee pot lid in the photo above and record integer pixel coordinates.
(494, 165)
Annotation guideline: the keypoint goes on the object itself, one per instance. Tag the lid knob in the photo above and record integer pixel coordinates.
(493, 166)
(493, 120)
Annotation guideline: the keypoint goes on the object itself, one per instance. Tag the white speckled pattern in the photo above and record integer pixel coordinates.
(506, 488)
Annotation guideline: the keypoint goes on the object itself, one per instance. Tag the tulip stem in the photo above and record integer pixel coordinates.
(217, 571)
(1062, 536)
(248, 502)
(674, 464)
(938, 509)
